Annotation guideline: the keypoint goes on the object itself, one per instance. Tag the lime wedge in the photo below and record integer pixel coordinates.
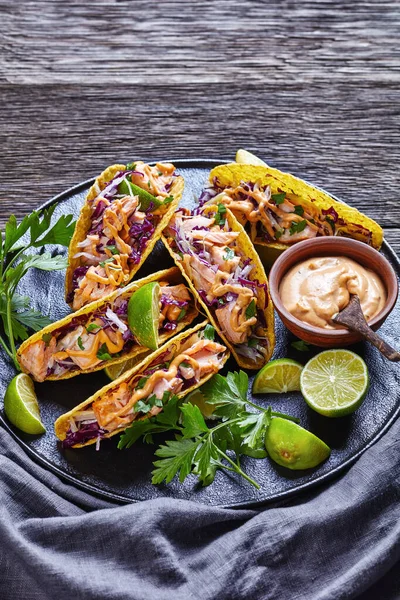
(146, 199)
(247, 158)
(293, 447)
(281, 375)
(335, 382)
(21, 405)
(207, 410)
(144, 314)
(115, 371)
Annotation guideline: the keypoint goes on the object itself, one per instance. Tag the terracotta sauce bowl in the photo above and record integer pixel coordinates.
(331, 246)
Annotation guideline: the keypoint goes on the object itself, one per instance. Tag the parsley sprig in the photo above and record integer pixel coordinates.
(198, 448)
(34, 231)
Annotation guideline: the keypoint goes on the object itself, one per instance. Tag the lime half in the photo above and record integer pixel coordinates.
(115, 371)
(335, 382)
(247, 158)
(207, 410)
(281, 375)
(293, 447)
(145, 198)
(144, 314)
(21, 405)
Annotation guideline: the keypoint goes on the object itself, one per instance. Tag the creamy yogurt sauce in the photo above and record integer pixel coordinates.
(316, 289)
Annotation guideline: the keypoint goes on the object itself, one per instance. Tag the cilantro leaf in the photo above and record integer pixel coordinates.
(61, 232)
(46, 338)
(299, 210)
(251, 310)
(279, 233)
(206, 463)
(297, 226)
(301, 345)
(168, 199)
(278, 198)
(80, 343)
(131, 166)
(143, 427)
(229, 393)
(113, 249)
(177, 458)
(209, 332)
(102, 353)
(92, 327)
(229, 254)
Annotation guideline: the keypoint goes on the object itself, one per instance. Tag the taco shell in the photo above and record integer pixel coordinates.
(62, 424)
(171, 275)
(258, 272)
(85, 219)
(351, 223)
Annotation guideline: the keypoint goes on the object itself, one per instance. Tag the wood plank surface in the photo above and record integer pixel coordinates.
(312, 87)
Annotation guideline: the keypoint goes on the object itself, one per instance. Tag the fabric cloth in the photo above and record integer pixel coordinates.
(338, 543)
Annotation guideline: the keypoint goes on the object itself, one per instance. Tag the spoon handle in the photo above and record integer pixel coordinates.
(352, 317)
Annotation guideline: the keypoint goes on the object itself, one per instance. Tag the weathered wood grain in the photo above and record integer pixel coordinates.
(175, 41)
(313, 87)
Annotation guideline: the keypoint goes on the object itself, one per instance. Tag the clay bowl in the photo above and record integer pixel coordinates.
(331, 246)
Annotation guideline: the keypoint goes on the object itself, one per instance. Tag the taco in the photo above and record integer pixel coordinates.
(279, 209)
(124, 213)
(98, 335)
(222, 268)
(178, 367)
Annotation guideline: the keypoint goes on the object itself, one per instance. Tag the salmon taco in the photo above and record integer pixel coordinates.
(98, 335)
(177, 368)
(222, 268)
(279, 209)
(124, 213)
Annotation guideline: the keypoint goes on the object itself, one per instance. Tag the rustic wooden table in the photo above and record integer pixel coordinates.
(312, 87)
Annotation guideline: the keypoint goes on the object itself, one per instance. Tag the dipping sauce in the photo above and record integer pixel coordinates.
(316, 289)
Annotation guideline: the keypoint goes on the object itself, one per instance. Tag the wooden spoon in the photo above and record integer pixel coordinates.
(352, 317)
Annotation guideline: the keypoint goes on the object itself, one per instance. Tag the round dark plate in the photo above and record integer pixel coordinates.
(125, 476)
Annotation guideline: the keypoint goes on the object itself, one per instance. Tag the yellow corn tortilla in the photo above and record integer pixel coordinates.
(258, 272)
(171, 275)
(356, 224)
(62, 424)
(85, 220)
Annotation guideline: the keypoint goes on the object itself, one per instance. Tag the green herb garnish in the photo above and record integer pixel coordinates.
(229, 254)
(209, 332)
(278, 233)
(181, 314)
(92, 327)
(103, 354)
(301, 346)
(80, 343)
(15, 261)
(251, 309)
(199, 449)
(299, 210)
(131, 166)
(113, 249)
(220, 215)
(46, 338)
(297, 226)
(278, 198)
(168, 200)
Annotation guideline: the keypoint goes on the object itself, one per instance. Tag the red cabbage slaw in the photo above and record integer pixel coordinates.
(140, 231)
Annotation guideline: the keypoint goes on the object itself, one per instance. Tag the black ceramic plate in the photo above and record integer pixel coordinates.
(126, 475)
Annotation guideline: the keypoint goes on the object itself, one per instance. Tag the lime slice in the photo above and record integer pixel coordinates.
(281, 375)
(115, 371)
(247, 158)
(21, 405)
(144, 315)
(130, 189)
(198, 399)
(335, 382)
(293, 447)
